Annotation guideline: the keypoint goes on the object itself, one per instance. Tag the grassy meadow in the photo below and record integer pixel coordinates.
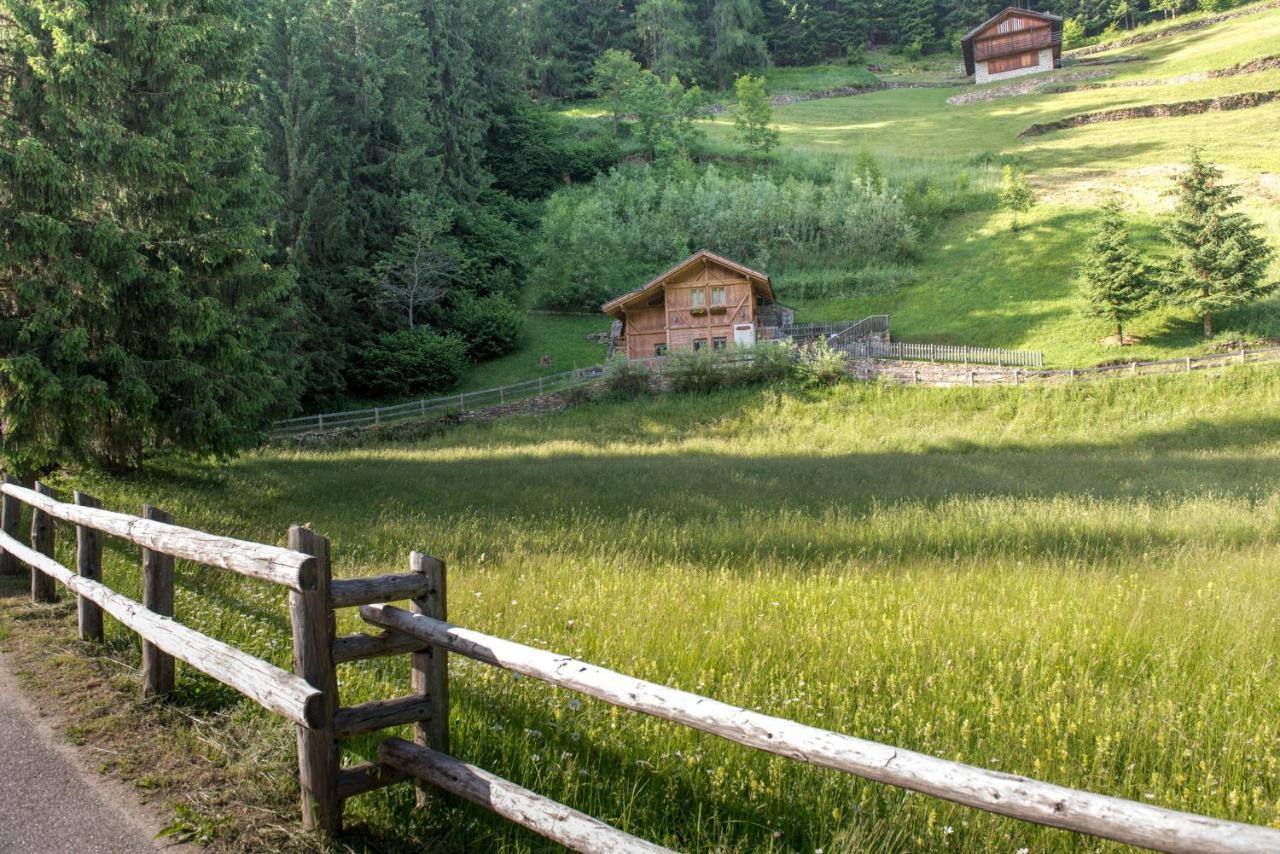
(1075, 583)
(974, 281)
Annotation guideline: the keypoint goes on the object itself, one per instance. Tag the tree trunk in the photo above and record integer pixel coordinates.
(1120, 334)
(1208, 325)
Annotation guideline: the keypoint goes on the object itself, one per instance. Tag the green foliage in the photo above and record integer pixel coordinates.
(766, 362)
(818, 365)
(754, 115)
(1072, 33)
(1016, 195)
(603, 240)
(665, 115)
(490, 325)
(627, 380)
(1115, 279)
(412, 361)
(737, 45)
(1220, 257)
(138, 311)
(669, 37)
(689, 372)
(614, 75)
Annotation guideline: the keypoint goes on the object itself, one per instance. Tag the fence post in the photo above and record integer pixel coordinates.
(1073, 373)
(157, 596)
(43, 588)
(313, 632)
(10, 521)
(1188, 364)
(462, 403)
(1017, 376)
(1133, 368)
(1244, 355)
(430, 671)
(88, 565)
(377, 415)
(971, 374)
(319, 422)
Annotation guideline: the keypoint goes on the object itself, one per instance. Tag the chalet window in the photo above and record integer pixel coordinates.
(699, 344)
(659, 349)
(719, 343)
(717, 296)
(697, 297)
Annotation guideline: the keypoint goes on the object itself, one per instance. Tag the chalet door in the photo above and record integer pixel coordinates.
(744, 335)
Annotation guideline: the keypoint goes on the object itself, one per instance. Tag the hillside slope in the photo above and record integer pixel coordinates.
(1075, 583)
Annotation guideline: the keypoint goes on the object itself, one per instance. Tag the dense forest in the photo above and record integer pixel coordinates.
(216, 212)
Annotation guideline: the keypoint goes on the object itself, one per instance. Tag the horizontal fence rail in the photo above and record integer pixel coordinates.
(443, 405)
(875, 325)
(274, 689)
(268, 563)
(572, 829)
(942, 353)
(996, 792)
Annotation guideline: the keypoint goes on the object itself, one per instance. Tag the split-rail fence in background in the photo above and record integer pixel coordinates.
(310, 696)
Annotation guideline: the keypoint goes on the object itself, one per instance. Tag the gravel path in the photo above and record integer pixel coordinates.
(50, 802)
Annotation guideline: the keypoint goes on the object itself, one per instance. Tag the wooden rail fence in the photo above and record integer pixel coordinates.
(309, 697)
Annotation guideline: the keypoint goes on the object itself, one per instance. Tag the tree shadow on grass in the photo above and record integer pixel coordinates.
(807, 508)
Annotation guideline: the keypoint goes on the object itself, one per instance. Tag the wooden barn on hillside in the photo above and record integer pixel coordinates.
(704, 302)
(1012, 43)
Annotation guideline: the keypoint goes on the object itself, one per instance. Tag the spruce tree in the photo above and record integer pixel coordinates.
(137, 310)
(1115, 279)
(736, 43)
(1220, 257)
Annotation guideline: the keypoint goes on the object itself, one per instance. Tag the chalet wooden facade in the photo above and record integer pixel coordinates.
(1012, 43)
(706, 302)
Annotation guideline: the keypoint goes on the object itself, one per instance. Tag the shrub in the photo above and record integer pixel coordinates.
(600, 241)
(764, 363)
(412, 361)
(490, 325)
(695, 372)
(820, 365)
(626, 380)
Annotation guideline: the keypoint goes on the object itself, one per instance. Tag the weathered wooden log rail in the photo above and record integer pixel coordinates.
(309, 697)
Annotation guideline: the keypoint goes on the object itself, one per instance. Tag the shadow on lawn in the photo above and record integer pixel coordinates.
(806, 508)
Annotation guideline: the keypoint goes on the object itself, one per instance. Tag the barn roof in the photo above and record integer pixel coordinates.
(966, 43)
(762, 280)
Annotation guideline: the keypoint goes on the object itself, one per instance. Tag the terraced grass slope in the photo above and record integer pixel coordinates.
(975, 282)
(1077, 583)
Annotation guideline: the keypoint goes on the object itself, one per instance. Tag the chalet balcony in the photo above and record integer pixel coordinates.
(1038, 39)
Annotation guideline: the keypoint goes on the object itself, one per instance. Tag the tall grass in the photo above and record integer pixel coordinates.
(1076, 583)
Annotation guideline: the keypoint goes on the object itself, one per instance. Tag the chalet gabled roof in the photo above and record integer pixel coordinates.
(966, 43)
(654, 284)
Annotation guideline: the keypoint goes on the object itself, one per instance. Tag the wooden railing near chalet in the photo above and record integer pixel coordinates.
(309, 697)
(1037, 39)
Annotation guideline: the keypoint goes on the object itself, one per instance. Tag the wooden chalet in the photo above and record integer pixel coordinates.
(704, 302)
(1012, 43)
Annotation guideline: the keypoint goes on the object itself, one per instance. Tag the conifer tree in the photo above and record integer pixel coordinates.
(1220, 256)
(736, 43)
(1115, 279)
(669, 38)
(135, 307)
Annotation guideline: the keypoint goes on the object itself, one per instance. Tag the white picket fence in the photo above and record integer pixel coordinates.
(874, 349)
